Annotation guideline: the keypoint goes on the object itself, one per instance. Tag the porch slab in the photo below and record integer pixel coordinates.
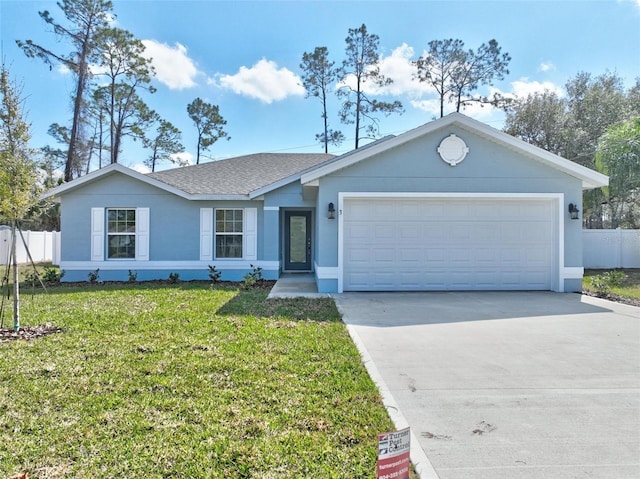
(296, 285)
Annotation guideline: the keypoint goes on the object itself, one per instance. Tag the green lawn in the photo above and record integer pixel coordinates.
(185, 381)
(630, 287)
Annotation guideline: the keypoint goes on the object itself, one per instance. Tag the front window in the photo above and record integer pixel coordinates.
(121, 233)
(229, 224)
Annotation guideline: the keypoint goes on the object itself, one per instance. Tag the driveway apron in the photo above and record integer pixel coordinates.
(510, 385)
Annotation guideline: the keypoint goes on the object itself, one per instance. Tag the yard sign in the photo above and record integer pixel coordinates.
(393, 454)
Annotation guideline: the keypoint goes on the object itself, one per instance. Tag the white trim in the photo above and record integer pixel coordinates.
(142, 234)
(326, 272)
(560, 247)
(118, 168)
(271, 208)
(167, 265)
(589, 178)
(557, 282)
(97, 234)
(206, 234)
(110, 170)
(250, 234)
(571, 272)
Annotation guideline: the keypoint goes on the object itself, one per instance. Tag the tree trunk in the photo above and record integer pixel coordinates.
(16, 278)
(326, 126)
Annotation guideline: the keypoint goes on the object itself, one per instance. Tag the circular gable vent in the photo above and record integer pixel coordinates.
(453, 150)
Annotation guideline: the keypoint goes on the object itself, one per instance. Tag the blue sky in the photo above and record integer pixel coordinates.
(244, 56)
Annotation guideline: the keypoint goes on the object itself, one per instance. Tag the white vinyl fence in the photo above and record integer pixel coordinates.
(601, 248)
(44, 246)
(604, 249)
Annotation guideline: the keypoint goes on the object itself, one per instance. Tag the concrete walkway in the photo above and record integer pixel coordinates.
(296, 285)
(530, 385)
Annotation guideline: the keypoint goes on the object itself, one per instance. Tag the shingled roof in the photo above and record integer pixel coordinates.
(240, 175)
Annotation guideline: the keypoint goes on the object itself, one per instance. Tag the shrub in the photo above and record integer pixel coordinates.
(133, 276)
(214, 274)
(251, 278)
(94, 276)
(603, 283)
(52, 275)
(31, 278)
(174, 278)
(616, 278)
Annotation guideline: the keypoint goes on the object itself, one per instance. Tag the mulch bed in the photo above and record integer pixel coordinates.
(615, 298)
(28, 332)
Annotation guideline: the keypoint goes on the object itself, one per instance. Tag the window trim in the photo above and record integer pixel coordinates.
(109, 234)
(217, 233)
(99, 234)
(250, 234)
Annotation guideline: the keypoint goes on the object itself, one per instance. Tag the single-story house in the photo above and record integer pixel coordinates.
(451, 205)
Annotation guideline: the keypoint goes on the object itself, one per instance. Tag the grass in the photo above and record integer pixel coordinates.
(630, 287)
(185, 381)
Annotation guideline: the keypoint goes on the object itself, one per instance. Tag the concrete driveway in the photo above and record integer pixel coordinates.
(506, 385)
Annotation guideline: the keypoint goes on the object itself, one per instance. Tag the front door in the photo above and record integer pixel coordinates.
(297, 241)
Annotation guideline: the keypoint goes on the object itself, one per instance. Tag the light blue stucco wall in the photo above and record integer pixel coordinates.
(417, 167)
(174, 230)
(413, 167)
(276, 202)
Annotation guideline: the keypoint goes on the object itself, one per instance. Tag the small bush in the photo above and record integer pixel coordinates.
(133, 276)
(214, 274)
(616, 278)
(603, 283)
(94, 276)
(174, 278)
(251, 278)
(31, 278)
(52, 275)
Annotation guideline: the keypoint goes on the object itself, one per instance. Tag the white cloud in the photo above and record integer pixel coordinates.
(475, 110)
(263, 81)
(399, 68)
(547, 66)
(141, 168)
(430, 106)
(173, 66)
(525, 87)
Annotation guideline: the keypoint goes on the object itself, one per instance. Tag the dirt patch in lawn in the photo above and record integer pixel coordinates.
(28, 333)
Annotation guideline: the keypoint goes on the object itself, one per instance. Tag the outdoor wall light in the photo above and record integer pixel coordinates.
(573, 211)
(331, 214)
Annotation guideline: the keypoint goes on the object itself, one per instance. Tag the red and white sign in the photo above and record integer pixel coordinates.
(394, 459)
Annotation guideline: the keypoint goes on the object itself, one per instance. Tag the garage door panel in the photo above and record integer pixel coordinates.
(427, 244)
(383, 255)
(410, 255)
(409, 231)
(487, 256)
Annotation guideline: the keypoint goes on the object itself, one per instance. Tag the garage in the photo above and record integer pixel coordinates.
(457, 242)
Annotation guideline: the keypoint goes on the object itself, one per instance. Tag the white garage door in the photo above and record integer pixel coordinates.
(393, 244)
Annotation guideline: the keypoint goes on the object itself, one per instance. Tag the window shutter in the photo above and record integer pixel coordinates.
(142, 234)
(206, 234)
(251, 233)
(97, 234)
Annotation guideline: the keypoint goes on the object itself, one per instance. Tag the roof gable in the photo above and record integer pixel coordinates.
(105, 172)
(233, 178)
(588, 177)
